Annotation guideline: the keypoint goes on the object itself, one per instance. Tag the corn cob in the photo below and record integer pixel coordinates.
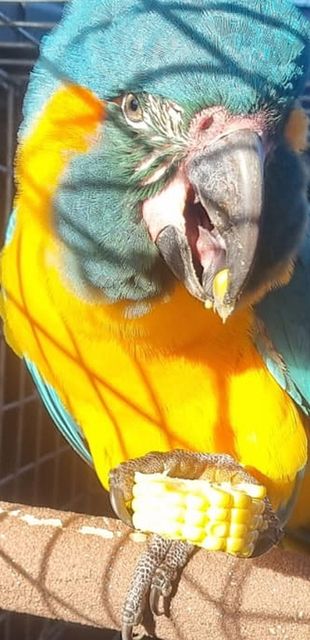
(215, 516)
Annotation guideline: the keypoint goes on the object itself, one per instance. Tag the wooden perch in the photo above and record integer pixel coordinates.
(77, 568)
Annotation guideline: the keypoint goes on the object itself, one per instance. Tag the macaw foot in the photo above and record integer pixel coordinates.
(153, 578)
(164, 558)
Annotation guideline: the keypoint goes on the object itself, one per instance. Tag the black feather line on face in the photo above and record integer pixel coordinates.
(137, 144)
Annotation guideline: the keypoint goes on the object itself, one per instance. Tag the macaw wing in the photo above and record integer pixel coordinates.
(283, 337)
(62, 419)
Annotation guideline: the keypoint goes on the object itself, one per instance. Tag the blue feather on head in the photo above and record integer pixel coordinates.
(242, 54)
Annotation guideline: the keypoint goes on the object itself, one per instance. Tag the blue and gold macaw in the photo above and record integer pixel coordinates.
(156, 272)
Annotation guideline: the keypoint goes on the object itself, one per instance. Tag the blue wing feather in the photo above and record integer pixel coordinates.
(285, 313)
(64, 422)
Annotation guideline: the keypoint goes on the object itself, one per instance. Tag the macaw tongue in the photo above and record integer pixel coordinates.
(210, 248)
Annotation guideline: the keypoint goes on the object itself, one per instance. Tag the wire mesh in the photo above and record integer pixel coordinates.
(36, 465)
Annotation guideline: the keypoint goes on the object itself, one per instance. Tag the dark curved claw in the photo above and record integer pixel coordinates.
(119, 505)
(132, 616)
(155, 600)
(127, 632)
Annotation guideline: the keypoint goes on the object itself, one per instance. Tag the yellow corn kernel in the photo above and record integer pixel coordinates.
(240, 516)
(218, 513)
(220, 284)
(172, 499)
(152, 507)
(216, 496)
(138, 503)
(195, 517)
(157, 485)
(176, 514)
(144, 522)
(193, 534)
(238, 530)
(194, 502)
(146, 487)
(171, 529)
(206, 495)
(168, 528)
(213, 544)
(160, 510)
(247, 551)
(208, 304)
(235, 545)
(257, 491)
(241, 500)
(217, 529)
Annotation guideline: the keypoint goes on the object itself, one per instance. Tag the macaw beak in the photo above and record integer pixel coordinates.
(214, 252)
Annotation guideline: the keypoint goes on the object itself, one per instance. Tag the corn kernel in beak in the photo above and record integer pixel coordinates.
(220, 284)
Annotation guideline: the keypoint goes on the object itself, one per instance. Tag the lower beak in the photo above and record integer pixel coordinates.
(228, 180)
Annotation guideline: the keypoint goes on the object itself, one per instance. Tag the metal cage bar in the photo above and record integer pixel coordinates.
(37, 467)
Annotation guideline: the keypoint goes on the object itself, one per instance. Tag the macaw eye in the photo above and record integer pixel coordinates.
(132, 109)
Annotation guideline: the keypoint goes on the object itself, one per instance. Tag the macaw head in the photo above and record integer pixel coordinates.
(194, 177)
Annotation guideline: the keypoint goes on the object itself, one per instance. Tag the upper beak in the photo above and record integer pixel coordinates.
(228, 179)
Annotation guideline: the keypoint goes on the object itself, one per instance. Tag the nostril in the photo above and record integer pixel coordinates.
(205, 122)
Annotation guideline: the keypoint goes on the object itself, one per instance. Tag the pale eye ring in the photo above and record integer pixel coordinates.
(132, 109)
